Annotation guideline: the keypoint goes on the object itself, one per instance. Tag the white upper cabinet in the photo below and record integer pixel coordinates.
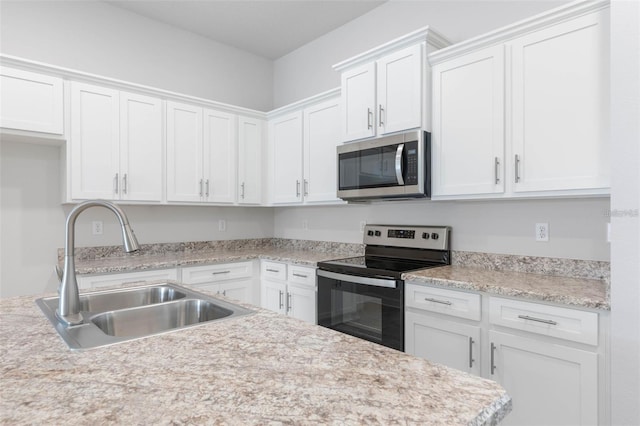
(560, 106)
(219, 156)
(93, 148)
(115, 149)
(321, 138)
(468, 124)
(201, 154)
(31, 101)
(384, 90)
(523, 111)
(285, 136)
(303, 145)
(250, 134)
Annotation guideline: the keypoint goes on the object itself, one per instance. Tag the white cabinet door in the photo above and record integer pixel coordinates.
(273, 296)
(560, 107)
(321, 137)
(241, 291)
(399, 90)
(550, 384)
(468, 124)
(141, 147)
(94, 143)
(30, 101)
(285, 134)
(219, 156)
(184, 152)
(359, 102)
(250, 160)
(301, 302)
(450, 343)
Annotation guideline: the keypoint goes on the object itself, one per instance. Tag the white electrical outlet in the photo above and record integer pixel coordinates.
(542, 232)
(362, 225)
(96, 227)
(222, 225)
(305, 224)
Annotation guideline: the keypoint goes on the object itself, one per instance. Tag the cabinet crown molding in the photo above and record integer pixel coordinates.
(80, 76)
(303, 103)
(509, 32)
(427, 34)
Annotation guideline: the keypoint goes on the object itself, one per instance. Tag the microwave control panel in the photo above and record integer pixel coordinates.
(411, 166)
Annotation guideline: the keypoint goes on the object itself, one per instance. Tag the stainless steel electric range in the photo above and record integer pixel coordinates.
(364, 296)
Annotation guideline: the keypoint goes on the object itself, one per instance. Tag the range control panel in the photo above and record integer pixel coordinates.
(424, 237)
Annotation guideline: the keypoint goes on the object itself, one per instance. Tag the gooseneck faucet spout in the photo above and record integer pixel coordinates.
(69, 307)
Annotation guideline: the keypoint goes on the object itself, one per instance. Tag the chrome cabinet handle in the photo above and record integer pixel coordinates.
(224, 292)
(221, 272)
(442, 302)
(399, 164)
(493, 365)
(297, 188)
(471, 342)
(306, 187)
(115, 183)
(517, 168)
(124, 184)
(497, 165)
(369, 118)
(207, 186)
(272, 270)
(280, 294)
(289, 307)
(299, 275)
(242, 193)
(201, 187)
(380, 111)
(545, 321)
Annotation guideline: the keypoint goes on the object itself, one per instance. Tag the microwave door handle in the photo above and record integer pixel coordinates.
(399, 164)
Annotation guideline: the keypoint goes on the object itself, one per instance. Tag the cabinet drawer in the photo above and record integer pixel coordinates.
(95, 281)
(443, 301)
(273, 270)
(302, 275)
(216, 273)
(554, 321)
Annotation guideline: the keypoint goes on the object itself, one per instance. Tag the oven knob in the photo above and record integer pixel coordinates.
(434, 236)
(370, 233)
(378, 233)
(425, 235)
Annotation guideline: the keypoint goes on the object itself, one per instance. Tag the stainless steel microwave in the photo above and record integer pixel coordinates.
(391, 167)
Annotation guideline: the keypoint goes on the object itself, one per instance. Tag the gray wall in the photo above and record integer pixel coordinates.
(307, 70)
(101, 39)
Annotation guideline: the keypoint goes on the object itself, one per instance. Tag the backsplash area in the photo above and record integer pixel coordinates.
(575, 268)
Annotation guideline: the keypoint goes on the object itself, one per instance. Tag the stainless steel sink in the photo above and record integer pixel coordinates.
(119, 315)
(158, 318)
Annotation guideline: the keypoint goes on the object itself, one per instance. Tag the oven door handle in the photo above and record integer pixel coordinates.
(399, 164)
(377, 282)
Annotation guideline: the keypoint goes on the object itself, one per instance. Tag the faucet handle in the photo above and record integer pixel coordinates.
(58, 271)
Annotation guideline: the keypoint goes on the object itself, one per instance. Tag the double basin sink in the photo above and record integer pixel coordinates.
(114, 316)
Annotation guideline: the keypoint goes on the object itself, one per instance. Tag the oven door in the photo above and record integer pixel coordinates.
(369, 308)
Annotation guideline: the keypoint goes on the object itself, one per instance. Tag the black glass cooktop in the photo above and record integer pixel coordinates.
(375, 266)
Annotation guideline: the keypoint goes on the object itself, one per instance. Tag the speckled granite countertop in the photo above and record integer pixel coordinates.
(581, 292)
(258, 369)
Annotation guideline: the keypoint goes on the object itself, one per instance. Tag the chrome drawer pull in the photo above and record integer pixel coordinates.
(272, 270)
(299, 275)
(545, 321)
(221, 272)
(442, 302)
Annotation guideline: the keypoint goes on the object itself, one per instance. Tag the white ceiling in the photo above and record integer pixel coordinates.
(269, 28)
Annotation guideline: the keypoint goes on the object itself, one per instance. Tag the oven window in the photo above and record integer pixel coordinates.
(369, 168)
(357, 314)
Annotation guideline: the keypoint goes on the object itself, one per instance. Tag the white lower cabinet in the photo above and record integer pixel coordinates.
(550, 359)
(289, 290)
(233, 280)
(104, 280)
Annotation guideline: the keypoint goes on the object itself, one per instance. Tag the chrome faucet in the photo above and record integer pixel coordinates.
(69, 307)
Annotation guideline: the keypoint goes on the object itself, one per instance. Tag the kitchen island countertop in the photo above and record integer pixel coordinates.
(258, 369)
